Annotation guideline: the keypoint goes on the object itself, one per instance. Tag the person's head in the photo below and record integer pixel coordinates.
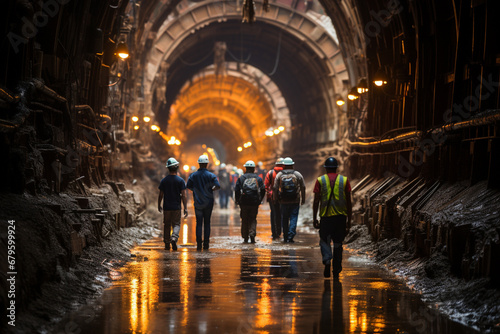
(279, 162)
(203, 161)
(331, 165)
(288, 163)
(172, 165)
(249, 166)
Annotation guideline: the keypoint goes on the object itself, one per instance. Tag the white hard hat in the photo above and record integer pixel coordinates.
(279, 161)
(222, 165)
(249, 163)
(203, 159)
(172, 162)
(288, 161)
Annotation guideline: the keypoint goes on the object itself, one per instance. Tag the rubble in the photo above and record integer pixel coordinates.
(442, 239)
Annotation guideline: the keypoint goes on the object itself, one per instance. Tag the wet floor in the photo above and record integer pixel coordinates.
(269, 287)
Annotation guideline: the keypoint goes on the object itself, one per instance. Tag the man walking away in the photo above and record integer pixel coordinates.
(172, 191)
(274, 206)
(225, 186)
(332, 193)
(290, 190)
(203, 183)
(249, 192)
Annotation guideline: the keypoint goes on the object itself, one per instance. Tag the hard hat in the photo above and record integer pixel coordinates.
(331, 162)
(172, 162)
(279, 161)
(203, 159)
(240, 171)
(260, 163)
(222, 165)
(288, 161)
(249, 163)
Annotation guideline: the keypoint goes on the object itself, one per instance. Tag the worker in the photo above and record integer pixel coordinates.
(274, 206)
(203, 183)
(249, 192)
(289, 189)
(261, 171)
(225, 186)
(172, 192)
(332, 193)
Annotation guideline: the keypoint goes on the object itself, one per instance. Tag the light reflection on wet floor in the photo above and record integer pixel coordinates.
(269, 287)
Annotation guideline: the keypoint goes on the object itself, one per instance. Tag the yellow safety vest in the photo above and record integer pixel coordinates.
(337, 202)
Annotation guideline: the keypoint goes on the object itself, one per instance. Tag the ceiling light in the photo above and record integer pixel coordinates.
(122, 50)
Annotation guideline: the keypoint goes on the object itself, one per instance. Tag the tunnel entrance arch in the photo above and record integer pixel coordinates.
(300, 53)
(243, 99)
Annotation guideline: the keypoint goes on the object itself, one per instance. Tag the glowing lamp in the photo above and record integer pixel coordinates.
(122, 51)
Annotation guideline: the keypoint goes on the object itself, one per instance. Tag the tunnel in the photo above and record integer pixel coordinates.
(96, 96)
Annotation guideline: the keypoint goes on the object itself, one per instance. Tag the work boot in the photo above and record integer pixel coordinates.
(326, 272)
(252, 240)
(198, 246)
(174, 245)
(205, 245)
(245, 240)
(167, 246)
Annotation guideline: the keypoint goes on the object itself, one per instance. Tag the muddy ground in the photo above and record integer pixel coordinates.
(473, 302)
(52, 279)
(67, 286)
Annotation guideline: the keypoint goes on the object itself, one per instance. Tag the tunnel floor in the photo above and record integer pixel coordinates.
(267, 287)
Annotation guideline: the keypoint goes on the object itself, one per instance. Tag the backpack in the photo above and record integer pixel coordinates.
(250, 193)
(288, 187)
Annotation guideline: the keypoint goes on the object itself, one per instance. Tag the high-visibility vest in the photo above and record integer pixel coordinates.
(337, 201)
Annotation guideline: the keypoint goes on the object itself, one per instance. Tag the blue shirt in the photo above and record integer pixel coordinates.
(172, 186)
(201, 183)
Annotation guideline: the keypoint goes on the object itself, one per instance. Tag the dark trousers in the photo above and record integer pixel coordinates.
(275, 219)
(289, 217)
(332, 229)
(223, 198)
(203, 222)
(248, 216)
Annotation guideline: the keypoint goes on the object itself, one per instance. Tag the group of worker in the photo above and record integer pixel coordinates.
(285, 190)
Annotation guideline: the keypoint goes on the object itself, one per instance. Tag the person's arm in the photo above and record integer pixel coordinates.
(184, 202)
(317, 198)
(262, 189)
(160, 198)
(302, 190)
(349, 211)
(276, 187)
(216, 185)
(237, 191)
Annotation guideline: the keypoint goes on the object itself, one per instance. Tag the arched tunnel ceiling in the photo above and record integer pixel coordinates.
(228, 108)
(297, 53)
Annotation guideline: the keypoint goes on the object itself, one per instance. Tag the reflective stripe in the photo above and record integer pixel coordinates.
(337, 202)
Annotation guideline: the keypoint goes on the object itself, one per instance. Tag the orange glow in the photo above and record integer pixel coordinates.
(135, 118)
(185, 225)
(134, 313)
(146, 119)
(136, 127)
(264, 305)
(184, 278)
